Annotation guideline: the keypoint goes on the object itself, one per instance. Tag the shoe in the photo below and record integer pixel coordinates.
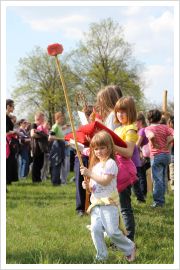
(156, 205)
(56, 185)
(132, 257)
(141, 200)
(100, 260)
(80, 213)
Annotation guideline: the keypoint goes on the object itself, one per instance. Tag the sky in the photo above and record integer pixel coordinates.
(149, 29)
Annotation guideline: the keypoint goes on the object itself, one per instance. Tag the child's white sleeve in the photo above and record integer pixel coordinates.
(111, 167)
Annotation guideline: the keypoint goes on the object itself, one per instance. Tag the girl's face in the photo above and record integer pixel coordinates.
(10, 108)
(39, 120)
(122, 117)
(101, 152)
(60, 120)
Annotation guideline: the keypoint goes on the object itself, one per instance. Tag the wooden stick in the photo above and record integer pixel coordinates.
(164, 104)
(72, 123)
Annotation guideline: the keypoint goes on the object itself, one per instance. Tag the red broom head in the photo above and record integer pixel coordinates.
(55, 49)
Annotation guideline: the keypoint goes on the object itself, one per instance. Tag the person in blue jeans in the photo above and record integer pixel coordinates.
(24, 149)
(159, 136)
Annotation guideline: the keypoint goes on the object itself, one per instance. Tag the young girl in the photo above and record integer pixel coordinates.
(104, 206)
(159, 135)
(143, 147)
(106, 100)
(125, 114)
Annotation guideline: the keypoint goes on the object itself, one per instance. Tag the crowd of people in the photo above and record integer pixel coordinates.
(36, 149)
(114, 172)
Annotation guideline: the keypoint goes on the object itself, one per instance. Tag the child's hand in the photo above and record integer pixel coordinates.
(85, 171)
(85, 185)
(88, 138)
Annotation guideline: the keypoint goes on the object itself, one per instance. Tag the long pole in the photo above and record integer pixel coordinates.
(72, 122)
(164, 104)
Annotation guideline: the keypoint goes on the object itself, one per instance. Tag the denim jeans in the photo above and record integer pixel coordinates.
(23, 163)
(65, 169)
(136, 187)
(159, 164)
(127, 212)
(106, 218)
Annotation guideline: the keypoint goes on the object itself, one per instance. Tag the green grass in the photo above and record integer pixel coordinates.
(43, 228)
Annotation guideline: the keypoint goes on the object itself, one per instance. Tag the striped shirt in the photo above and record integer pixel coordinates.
(161, 132)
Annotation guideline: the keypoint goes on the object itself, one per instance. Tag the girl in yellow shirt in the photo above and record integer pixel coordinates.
(125, 114)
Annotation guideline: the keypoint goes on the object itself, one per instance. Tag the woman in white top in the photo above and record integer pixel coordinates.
(104, 208)
(106, 100)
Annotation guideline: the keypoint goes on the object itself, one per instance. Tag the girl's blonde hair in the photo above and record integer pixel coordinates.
(127, 105)
(107, 98)
(102, 138)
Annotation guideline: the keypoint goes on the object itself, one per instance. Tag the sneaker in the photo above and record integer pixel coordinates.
(80, 213)
(141, 200)
(100, 260)
(156, 205)
(132, 257)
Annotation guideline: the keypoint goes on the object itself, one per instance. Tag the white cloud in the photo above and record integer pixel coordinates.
(151, 36)
(164, 23)
(68, 25)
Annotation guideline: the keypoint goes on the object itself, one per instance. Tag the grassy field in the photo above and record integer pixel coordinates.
(43, 228)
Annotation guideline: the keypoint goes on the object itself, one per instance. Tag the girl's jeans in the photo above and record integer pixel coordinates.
(127, 211)
(106, 218)
(23, 163)
(159, 164)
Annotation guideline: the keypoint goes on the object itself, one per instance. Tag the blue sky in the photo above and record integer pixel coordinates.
(150, 30)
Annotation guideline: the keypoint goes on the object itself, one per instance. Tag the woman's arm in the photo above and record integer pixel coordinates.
(103, 180)
(128, 151)
(139, 141)
(53, 138)
(125, 152)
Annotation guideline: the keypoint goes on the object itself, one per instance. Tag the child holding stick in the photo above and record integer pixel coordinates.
(105, 208)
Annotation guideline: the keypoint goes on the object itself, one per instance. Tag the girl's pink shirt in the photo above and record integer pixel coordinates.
(161, 132)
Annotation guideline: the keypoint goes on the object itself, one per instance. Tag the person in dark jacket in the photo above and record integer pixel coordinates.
(57, 152)
(12, 141)
(39, 144)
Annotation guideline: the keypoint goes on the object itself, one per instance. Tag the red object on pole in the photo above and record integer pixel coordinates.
(92, 128)
(55, 49)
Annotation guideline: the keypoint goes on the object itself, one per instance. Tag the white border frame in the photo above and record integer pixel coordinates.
(4, 5)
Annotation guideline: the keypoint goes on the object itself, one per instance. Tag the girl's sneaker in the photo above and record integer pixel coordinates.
(131, 257)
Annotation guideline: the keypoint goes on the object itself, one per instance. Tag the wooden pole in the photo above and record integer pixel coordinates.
(72, 123)
(164, 104)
